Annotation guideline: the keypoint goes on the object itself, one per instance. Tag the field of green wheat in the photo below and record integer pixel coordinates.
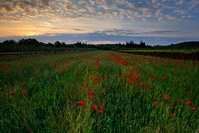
(99, 91)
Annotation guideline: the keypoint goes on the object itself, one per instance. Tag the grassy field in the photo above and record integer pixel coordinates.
(99, 91)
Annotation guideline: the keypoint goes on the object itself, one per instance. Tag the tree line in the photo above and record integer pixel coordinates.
(31, 45)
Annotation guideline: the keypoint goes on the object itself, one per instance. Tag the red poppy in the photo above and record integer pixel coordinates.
(164, 78)
(166, 96)
(92, 93)
(193, 108)
(171, 104)
(171, 115)
(188, 103)
(12, 93)
(151, 87)
(155, 103)
(100, 111)
(90, 71)
(84, 86)
(118, 78)
(91, 98)
(178, 100)
(82, 103)
(101, 107)
(29, 129)
(87, 91)
(38, 84)
(163, 100)
(187, 91)
(95, 107)
(50, 79)
(105, 78)
(146, 85)
(23, 91)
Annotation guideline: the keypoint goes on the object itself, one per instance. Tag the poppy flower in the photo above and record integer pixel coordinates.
(118, 78)
(101, 107)
(163, 100)
(146, 85)
(151, 87)
(12, 93)
(193, 108)
(23, 92)
(171, 115)
(164, 78)
(178, 100)
(84, 86)
(166, 96)
(187, 91)
(95, 107)
(92, 93)
(171, 104)
(100, 111)
(105, 78)
(188, 103)
(82, 103)
(91, 98)
(87, 91)
(38, 84)
(50, 79)
(29, 129)
(155, 103)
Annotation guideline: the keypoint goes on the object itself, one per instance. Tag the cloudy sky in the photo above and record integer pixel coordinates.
(100, 21)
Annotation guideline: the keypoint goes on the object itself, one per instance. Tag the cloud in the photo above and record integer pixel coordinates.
(170, 17)
(130, 32)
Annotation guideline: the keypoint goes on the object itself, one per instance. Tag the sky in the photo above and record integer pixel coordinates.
(156, 22)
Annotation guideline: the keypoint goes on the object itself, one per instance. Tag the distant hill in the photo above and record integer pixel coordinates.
(184, 45)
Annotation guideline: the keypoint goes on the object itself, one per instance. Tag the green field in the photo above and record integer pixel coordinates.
(122, 93)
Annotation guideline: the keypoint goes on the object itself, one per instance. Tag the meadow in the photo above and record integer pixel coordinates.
(98, 91)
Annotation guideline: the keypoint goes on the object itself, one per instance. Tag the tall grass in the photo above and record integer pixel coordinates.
(51, 106)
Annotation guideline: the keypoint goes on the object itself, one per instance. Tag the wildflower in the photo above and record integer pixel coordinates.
(38, 84)
(92, 93)
(118, 78)
(155, 103)
(87, 91)
(171, 104)
(95, 107)
(166, 96)
(12, 93)
(188, 103)
(163, 100)
(23, 92)
(82, 103)
(178, 100)
(105, 78)
(29, 129)
(164, 78)
(171, 115)
(91, 98)
(84, 86)
(151, 87)
(101, 107)
(100, 111)
(50, 79)
(193, 108)
(149, 75)
(187, 91)
(146, 85)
